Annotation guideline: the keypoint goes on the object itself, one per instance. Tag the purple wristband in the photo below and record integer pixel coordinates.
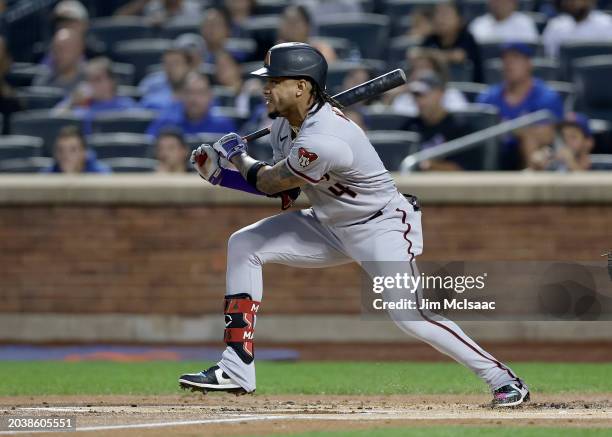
(234, 180)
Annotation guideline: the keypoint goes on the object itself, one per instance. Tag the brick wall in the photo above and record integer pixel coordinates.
(171, 260)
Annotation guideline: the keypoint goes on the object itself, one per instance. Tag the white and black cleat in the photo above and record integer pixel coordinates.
(510, 395)
(213, 379)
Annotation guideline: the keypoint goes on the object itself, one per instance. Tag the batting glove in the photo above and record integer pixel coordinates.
(230, 145)
(207, 162)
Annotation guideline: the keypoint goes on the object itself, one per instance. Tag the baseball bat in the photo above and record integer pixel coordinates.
(358, 93)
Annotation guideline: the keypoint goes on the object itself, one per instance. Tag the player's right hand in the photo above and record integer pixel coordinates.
(207, 163)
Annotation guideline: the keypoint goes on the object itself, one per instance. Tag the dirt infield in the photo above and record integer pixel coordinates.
(222, 415)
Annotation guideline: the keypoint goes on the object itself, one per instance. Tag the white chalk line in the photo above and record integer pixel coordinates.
(365, 415)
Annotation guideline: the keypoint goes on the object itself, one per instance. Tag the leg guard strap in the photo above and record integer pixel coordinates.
(240, 313)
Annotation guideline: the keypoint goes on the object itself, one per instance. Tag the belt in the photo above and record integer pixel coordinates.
(413, 200)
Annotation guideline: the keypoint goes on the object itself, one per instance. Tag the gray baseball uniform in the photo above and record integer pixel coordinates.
(357, 215)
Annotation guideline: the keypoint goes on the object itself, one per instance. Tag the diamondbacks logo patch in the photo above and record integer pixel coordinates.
(305, 157)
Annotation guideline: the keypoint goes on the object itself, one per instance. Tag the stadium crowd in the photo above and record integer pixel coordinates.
(108, 86)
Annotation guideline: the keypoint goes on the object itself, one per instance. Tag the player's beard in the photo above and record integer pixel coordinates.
(273, 115)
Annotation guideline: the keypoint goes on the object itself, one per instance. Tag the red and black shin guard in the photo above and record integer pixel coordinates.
(240, 313)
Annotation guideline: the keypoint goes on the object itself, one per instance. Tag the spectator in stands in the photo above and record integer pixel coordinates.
(504, 23)
(193, 113)
(519, 94)
(71, 154)
(158, 12)
(67, 50)
(577, 22)
(96, 95)
(194, 45)
(436, 125)
(322, 8)
(216, 30)
(570, 153)
(421, 60)
(71, 14)
(453, 39)
(296, 26)
(159, 89)
(9, 103)
(239, 11)
(229, 75)
(421, 25)
(171, 151)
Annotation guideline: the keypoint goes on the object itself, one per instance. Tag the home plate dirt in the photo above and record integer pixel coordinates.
(220, 414)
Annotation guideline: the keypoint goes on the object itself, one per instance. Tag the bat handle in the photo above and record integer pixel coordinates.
(257, 134)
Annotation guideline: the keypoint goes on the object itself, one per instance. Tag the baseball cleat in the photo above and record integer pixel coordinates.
(510, 395)
(213, 379)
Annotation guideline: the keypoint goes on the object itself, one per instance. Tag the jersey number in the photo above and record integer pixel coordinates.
(338, 189)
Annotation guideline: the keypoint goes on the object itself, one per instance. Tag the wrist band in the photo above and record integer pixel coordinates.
(252, 173)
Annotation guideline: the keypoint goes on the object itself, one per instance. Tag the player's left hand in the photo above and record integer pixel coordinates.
(230, 145)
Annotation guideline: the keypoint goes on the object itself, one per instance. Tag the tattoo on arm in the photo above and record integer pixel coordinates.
(270, 179)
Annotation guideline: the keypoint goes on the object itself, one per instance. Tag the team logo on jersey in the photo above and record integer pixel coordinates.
(305, 157)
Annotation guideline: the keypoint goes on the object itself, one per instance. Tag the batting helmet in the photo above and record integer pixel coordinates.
(294, 59)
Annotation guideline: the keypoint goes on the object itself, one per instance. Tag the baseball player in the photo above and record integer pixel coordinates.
(357, 215)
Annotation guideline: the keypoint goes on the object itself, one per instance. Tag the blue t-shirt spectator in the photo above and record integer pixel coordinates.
(117, 103)
(541, 96)
(92, 165)
(156, 91)
(176, 117)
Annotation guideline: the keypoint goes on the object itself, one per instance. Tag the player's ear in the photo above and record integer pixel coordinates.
(302, 87)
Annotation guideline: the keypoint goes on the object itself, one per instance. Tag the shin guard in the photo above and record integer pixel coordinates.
(240, 313)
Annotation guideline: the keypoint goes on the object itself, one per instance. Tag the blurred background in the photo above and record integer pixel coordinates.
(108, 87)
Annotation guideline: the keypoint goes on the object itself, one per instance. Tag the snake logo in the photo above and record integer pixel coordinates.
(305, 157)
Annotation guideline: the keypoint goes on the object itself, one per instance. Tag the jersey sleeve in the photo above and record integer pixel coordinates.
(313, 156)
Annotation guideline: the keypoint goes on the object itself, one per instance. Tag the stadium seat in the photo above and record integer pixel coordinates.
(399, 46)
(246, 46)
(463, 72)
(124, 73)
(270, 7)
(133, 121)
(341, 46)
(471, 90)
(129, 91)
(230, 112)
(120, 145)
(601, 162)
(175, 29)
(25, 165)
(114, 30)
(338, 70)
(602, 133)
(263, 29)
(569, 52)
(566, 91)
(478, 117)
(394, 146)
(224, 96)
(141, 53)
(401, 8)
(386, 119)
(20, 146)
(44, 124)
(40, 97)
(492, 50)
(131, 165)
(543, 68)
(370, 32)
(592, 80)
(22, 74)
(195, 140)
